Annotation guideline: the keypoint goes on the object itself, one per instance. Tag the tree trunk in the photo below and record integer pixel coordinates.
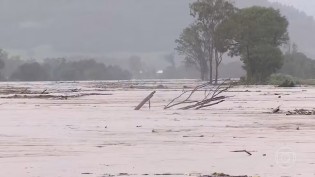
(203, 69)
(216, 73)
(211, 64)
(249, 69)
(202, 73)
(202, 77)
(217, 63)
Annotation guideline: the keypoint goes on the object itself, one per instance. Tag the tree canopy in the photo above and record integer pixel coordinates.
(255, 34)
(191, 45)
(197, 42)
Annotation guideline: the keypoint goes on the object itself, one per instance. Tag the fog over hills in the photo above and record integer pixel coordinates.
(304, 5)
(114, 28)
(69, 27)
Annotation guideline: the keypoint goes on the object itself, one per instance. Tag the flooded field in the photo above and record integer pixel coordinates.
(90, 129)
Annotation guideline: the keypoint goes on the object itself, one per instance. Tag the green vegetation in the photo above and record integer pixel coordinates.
(190, 45)
(59, 69)
(254, 34)
(287, 83)
(298, 64)
(282, 80)
(197, 42)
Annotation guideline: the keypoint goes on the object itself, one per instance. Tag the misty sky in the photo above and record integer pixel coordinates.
(307, 6)
(42, 28)
(62, 28)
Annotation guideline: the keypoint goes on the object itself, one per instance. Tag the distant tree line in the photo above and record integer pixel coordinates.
(60, 69)
(254, 34)
(297, 64)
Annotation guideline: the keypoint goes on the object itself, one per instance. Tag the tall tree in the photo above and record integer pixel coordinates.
(254, 34)
(209, 15)
(191, 45)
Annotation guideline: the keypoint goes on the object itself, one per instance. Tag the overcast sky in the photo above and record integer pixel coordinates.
(62, 28)
(307, 6)
(43, 28)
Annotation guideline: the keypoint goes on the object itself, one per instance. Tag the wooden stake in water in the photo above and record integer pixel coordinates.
(145, 100)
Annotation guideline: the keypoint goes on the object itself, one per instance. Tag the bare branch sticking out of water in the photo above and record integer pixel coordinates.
(212, 96)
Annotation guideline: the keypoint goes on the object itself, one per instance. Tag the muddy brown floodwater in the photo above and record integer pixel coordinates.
(97, 133)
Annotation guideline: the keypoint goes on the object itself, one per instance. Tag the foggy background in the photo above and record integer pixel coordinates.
(45, 28)
(112, 31)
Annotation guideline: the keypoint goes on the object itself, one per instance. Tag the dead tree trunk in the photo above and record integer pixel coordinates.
(145, 100)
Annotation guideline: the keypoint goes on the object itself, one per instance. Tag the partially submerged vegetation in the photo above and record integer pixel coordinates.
(212, 96)
(282, 80)
(287, 83)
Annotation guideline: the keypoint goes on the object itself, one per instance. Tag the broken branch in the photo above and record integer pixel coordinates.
(243, 151)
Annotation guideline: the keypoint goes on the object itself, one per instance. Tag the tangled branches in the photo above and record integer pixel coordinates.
(187, 99)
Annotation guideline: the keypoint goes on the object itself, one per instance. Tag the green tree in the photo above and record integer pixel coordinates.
(209, 15)
(191, 45)
(266, 59)
(255, 34)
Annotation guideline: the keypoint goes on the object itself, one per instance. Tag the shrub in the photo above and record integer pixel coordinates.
(282, 80)
(287, 83)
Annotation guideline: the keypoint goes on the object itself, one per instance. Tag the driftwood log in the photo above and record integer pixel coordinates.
(247, 152)
(145, 100)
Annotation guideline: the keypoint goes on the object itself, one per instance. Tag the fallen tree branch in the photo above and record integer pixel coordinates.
(208, 105)
(243, 151)
(43, 92)
(211, 94)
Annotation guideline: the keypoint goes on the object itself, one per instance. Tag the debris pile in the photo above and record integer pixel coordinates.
(301, 112)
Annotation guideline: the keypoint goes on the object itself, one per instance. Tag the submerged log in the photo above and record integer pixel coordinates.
(247, 152)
